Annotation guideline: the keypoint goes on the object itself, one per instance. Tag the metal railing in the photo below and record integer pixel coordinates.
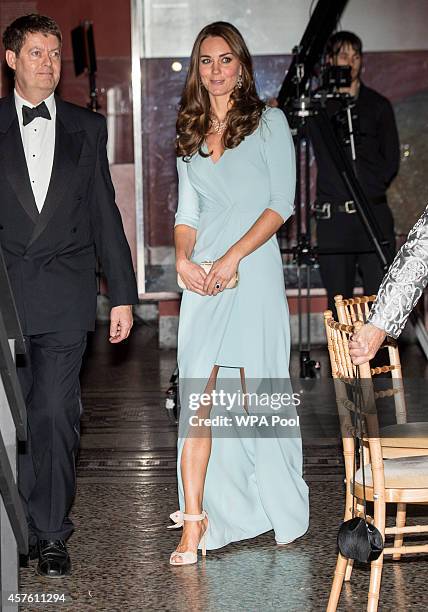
(13, 428)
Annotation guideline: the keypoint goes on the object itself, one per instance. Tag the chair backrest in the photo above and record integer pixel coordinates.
(344, 375)
(351, 310)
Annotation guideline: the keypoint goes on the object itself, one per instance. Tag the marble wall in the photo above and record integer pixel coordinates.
(276, 26)
(401, 76)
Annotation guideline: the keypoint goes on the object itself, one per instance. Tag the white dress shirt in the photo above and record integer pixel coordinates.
(38, 139)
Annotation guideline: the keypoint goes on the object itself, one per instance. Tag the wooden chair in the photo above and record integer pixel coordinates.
(399, 480)
(349, 311)
(400, 439)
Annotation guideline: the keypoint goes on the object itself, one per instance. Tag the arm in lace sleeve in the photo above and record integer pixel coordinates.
(404, 282)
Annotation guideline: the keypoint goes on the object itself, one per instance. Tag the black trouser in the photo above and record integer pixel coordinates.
(344, 234)
(47, 461)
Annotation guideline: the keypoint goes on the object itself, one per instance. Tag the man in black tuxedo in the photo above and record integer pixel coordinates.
(57, 212)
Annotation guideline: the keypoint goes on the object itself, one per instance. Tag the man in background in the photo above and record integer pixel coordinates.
(340, 232)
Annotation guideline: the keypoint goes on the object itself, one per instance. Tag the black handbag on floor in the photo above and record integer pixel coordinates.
(357, 538)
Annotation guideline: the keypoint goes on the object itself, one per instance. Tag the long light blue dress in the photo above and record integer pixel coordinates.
(254, 479)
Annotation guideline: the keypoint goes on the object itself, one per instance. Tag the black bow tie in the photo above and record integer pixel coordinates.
(28, 114)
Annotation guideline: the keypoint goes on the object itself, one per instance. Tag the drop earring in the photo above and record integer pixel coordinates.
(239, 81)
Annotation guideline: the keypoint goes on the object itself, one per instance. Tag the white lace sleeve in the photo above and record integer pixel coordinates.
(404, 282)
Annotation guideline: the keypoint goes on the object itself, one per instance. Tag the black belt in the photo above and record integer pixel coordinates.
(324, 210)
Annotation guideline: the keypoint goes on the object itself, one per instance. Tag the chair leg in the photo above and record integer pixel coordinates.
(374, 588)
(400, 522)
(336, 587)
(348, 572)
(376, 566)
(350, 564)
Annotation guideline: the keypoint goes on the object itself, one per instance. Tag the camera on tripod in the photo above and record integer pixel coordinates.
(334, 78)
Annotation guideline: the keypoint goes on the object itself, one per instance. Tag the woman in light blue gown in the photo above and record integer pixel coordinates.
(236, 168)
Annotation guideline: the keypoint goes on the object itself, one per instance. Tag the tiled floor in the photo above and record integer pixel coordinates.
(127, 489)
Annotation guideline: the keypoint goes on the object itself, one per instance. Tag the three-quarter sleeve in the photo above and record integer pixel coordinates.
(188, 201)
(281, 162)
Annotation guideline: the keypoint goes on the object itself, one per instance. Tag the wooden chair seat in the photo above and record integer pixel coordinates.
(402, 473)
(414, 434)
(404, 439)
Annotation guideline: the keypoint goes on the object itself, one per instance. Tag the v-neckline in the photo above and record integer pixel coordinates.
(214, 163)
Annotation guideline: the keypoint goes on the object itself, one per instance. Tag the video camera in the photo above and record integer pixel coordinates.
(334, 78)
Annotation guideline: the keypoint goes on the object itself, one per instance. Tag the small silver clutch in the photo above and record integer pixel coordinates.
(207, 265)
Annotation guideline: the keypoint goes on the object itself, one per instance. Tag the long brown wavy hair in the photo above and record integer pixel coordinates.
(243, 117)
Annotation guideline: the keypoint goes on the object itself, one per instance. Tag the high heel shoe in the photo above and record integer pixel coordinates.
(188, 556)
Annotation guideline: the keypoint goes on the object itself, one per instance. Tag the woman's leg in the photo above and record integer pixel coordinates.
(244, 387)
(194, 463)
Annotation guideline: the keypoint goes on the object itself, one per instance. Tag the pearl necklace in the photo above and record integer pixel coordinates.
(218, 126)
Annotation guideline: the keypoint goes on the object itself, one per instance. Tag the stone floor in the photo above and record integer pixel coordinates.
(127, 489)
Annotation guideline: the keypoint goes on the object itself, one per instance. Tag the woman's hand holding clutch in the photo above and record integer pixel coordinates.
(192, 275)
(222, 272)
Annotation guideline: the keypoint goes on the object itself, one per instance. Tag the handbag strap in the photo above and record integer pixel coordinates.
(358, 436)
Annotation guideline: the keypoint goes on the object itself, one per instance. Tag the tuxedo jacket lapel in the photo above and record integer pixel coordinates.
(68, 145)
(12, 158)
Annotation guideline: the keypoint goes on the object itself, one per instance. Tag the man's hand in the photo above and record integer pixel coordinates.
(120, 323)
(364, 345)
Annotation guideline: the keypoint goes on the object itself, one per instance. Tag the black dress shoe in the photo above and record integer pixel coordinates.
(54, 560)
(33, 553)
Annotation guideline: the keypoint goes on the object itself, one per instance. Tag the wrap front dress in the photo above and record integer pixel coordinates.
(254, 482)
